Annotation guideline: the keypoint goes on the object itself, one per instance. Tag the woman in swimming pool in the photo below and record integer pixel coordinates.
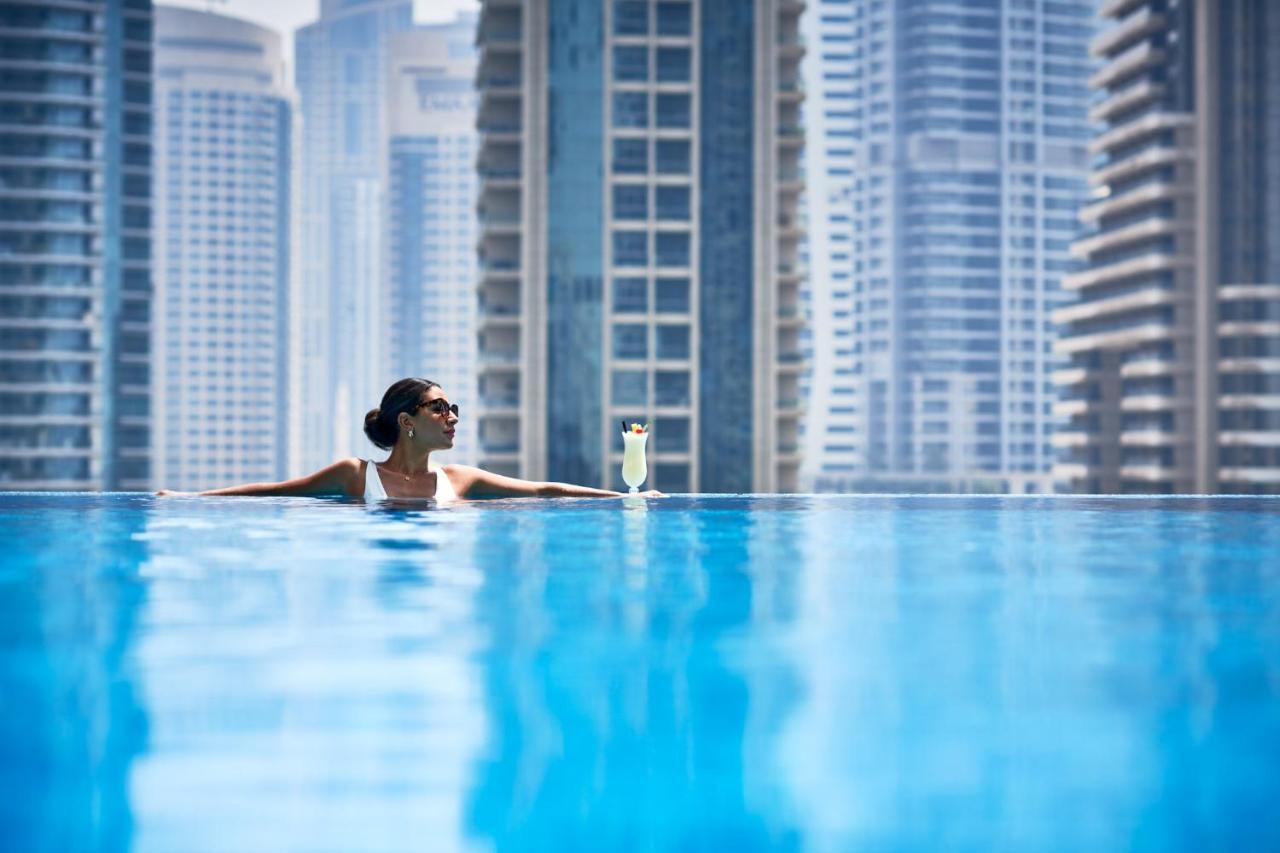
(415, 419)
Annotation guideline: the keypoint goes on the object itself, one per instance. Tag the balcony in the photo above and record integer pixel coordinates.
(1151, 262)
(1152, 438)
(1125, 100)
(1147, 229)
(1142, 23)
(1131, 132)
(1154, 403)
(1149, 473)
(1127, 336)
(1150, 158)
(1065, 438)
(1069, 471)
(1129, 62)
(1157, 190)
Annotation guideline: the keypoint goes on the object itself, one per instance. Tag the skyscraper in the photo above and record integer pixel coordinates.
(431, 220)
(223, 186)
(946, 162)
(1174, 337)
(638, 241)
(75, 244)
(341, 80)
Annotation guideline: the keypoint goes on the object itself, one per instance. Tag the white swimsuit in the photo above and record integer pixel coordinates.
(374, 490)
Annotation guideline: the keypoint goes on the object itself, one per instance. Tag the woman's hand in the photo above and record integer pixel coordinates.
(170, 493)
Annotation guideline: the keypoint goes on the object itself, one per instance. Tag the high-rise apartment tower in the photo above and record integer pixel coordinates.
(946, 163)
(75, 244)
(639, 179)
(344, 318)
(431, 218)
(1174, 338)
(224, 137)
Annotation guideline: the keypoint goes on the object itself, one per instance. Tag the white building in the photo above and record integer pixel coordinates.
(947, 160)
(431, 219)
(221, 324)
(341, 78)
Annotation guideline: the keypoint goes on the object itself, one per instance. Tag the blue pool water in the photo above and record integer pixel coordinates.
(714, 673)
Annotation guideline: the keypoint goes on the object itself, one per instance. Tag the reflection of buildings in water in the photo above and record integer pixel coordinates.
(627, 698)
(310, 682)
(977, 669)
(70, 721)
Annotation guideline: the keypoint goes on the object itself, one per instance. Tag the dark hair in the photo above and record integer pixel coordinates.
(382, 424)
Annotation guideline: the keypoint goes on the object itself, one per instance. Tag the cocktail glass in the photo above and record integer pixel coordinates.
(634, 469)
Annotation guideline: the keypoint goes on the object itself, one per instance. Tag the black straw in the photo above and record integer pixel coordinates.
(624, 425)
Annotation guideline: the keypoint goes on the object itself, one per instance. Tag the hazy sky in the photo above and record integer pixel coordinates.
(287, 15)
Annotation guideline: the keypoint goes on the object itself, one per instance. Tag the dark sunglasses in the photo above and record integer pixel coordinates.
(440, 406)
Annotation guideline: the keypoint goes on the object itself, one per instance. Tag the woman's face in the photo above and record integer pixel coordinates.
(433, 424)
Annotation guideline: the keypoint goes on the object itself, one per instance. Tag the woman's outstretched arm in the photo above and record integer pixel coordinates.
(471, 482)
(340, 478)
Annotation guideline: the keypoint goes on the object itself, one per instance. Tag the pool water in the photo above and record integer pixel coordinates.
(719, 673)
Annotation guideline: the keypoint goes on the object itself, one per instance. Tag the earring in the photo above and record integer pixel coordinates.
(410, 433)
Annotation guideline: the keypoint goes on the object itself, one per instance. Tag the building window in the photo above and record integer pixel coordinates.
(629, 388)
(671, 295)
(630, 340)
(671, 435)
(673, 65)
(673, 110)
(630, 64)
(630, 17)
(673, 341)
(630, 157)
(630, 109)
(674, 19)
(672, 203)
(671, 387)
(630, 201)
(630, 295)
(672, 248)
(630, 249)
(671, 156)
(672, 477)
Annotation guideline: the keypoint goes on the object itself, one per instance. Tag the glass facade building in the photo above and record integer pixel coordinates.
(223, 189)
(75, 244)
(947, 159)
(341, 80)
(1174, 337)
(431, 222)
(639, 168)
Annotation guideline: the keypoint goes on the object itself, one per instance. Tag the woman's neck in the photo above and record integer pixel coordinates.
(405, 460)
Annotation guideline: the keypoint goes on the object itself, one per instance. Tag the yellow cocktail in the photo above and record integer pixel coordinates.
(634, 469)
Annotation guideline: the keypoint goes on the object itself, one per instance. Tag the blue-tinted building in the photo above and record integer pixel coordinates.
(431, 221)
(341, 78)
(1173, 338)
(223, 218)
(639, 179)
(75, 244)
(947, 160)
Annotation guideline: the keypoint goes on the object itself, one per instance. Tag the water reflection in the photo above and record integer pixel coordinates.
(627, 708)
(309, 677)
(71, 724)
(710, 673)
(1001, 669)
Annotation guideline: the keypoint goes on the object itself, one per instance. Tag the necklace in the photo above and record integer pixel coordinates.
(399, 474)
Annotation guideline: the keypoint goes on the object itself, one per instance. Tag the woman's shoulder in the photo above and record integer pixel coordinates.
(351, 473)
(461, 476)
